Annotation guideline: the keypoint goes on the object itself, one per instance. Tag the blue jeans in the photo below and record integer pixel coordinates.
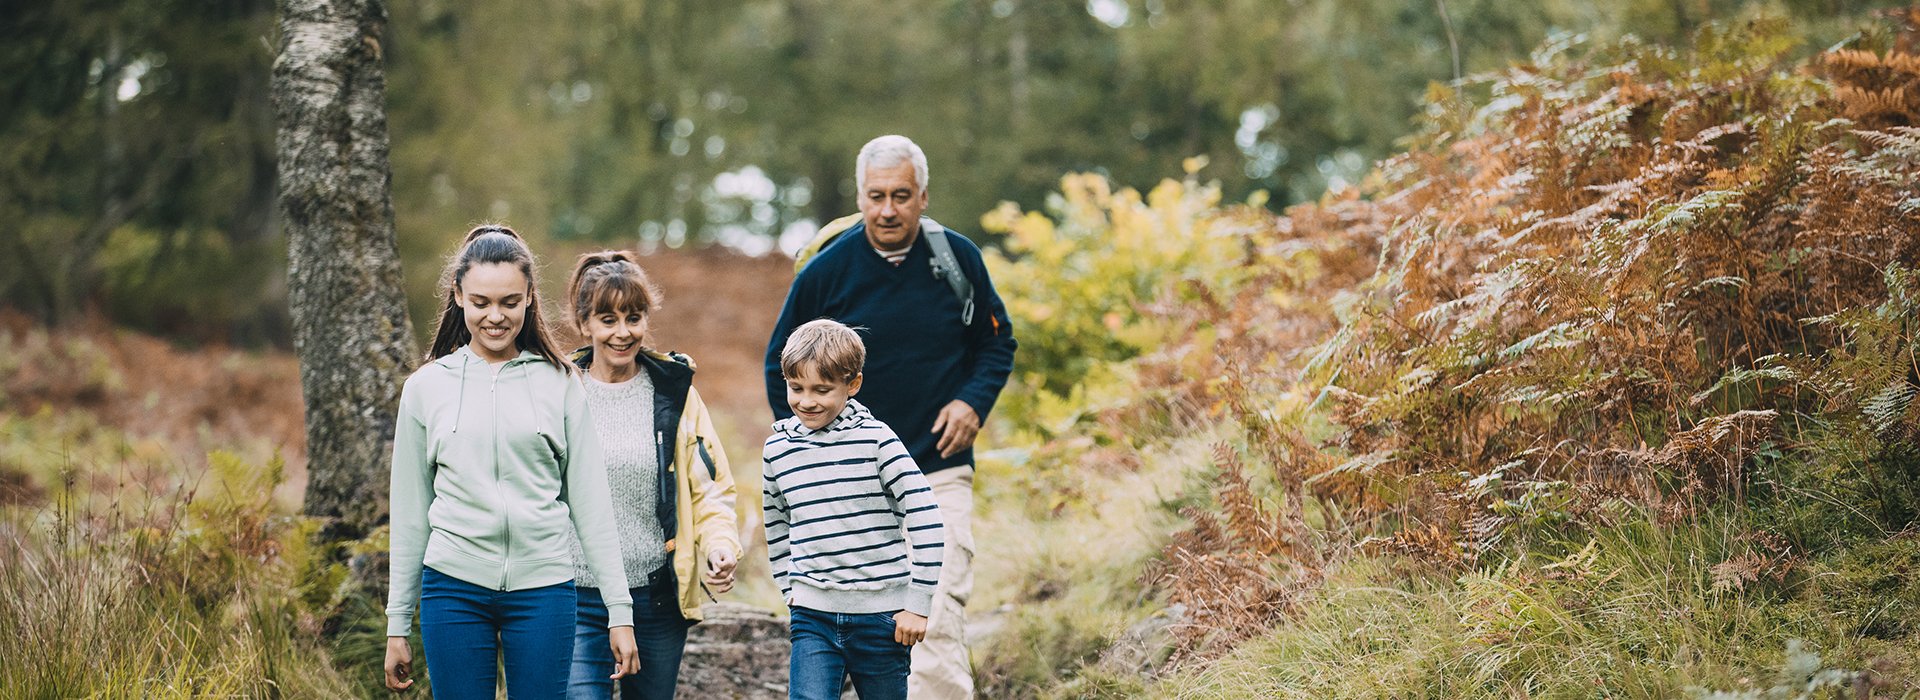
(658, 629)
(829, 646)
(467, 628)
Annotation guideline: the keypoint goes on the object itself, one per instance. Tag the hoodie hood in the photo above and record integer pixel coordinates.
(459, 361)
(853, 415)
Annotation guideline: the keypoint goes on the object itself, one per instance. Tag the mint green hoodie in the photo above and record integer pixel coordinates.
(491, 470)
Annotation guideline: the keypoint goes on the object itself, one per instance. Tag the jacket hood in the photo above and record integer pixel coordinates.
(853, 415)
(656, 362)
(462, 358)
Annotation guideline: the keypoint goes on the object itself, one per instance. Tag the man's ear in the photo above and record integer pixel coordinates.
(853, 387)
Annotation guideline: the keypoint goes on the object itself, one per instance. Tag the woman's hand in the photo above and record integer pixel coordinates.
(626, 653)
(400, 664)
(720, 565)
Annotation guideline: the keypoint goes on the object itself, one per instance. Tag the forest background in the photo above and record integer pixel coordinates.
(153, 449)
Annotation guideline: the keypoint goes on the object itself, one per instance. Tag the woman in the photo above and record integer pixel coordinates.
(495, 469)
(672, 499)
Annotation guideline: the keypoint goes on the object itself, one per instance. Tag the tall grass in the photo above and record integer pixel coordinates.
(198, 591)
(1634, 614)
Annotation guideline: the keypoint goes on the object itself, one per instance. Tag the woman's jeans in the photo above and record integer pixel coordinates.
(659, 630)
(829, 646)
(466, 629)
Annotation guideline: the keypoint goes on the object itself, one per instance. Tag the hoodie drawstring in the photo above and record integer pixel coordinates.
(460, 407)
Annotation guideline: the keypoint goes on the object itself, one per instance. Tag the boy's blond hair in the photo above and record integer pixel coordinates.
(826, 346)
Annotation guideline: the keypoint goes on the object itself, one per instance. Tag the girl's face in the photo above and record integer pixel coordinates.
(617, 337)
(495, 297)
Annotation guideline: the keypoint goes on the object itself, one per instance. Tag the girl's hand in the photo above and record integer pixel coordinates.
(399, 664)
(626, 653)
(720, 565)
(909, 628)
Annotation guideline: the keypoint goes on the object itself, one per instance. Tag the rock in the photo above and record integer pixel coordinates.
(739, 652)
(1145, 647)
(982, 625)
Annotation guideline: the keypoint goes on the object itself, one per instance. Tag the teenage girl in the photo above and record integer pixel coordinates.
(495, 469)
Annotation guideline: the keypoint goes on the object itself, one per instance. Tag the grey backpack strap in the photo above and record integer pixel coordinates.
(947, 267)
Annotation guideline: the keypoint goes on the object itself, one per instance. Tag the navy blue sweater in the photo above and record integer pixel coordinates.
(919, 356)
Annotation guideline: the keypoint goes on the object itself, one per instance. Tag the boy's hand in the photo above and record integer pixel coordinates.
(719, 574)
(909, 628)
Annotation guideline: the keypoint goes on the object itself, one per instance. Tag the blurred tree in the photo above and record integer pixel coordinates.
(141, 126)
(350, 319)
(133, 138)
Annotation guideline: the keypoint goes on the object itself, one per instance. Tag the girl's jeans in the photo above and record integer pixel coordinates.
(659, 630)
(466, 629)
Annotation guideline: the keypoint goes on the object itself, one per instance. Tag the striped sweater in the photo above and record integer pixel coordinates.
(851, 525)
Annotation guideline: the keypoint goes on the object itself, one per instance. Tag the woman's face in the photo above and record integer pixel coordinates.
(495, 298)
(617, 337)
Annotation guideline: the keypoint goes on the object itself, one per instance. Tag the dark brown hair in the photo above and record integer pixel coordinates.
(828, 347)
(485, 245)
(609, 282)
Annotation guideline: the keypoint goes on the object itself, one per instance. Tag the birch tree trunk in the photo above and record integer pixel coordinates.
(349, 310)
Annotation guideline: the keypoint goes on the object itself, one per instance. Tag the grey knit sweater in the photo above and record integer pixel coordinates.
(623, 419)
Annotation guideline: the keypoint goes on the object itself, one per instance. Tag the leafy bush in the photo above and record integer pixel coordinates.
(1079, 289)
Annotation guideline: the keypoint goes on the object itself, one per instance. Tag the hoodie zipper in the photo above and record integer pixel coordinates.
(506, 510)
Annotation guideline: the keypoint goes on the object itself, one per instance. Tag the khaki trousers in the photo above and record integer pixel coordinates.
(941, 667)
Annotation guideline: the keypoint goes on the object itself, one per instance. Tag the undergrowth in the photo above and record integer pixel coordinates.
(204, 589)
(1603, 389)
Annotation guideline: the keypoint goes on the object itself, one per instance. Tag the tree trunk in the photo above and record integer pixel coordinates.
(344, 290)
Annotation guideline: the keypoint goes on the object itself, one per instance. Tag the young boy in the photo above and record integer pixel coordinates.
(853, 532)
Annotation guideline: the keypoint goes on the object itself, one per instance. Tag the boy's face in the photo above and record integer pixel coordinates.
(817, 400)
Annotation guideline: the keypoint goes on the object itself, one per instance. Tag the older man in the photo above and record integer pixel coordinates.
(939, 349)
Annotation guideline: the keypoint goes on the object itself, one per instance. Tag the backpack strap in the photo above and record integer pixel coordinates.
(822, 238)
(947, 267)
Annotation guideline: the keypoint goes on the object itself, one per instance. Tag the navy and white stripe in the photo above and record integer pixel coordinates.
(852, 526)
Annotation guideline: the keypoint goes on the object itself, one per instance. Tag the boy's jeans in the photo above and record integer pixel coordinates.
(829, 646)
(658, 628)
(466, 629)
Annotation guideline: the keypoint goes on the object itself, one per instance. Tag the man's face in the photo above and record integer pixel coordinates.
(891, 205)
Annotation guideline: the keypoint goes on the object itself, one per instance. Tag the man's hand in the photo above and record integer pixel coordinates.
(626, 653)
(400, 664)
(719, 574)
(960, 424)
(909, 628)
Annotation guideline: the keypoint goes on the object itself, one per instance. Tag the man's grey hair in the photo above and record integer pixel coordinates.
(887, 152)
